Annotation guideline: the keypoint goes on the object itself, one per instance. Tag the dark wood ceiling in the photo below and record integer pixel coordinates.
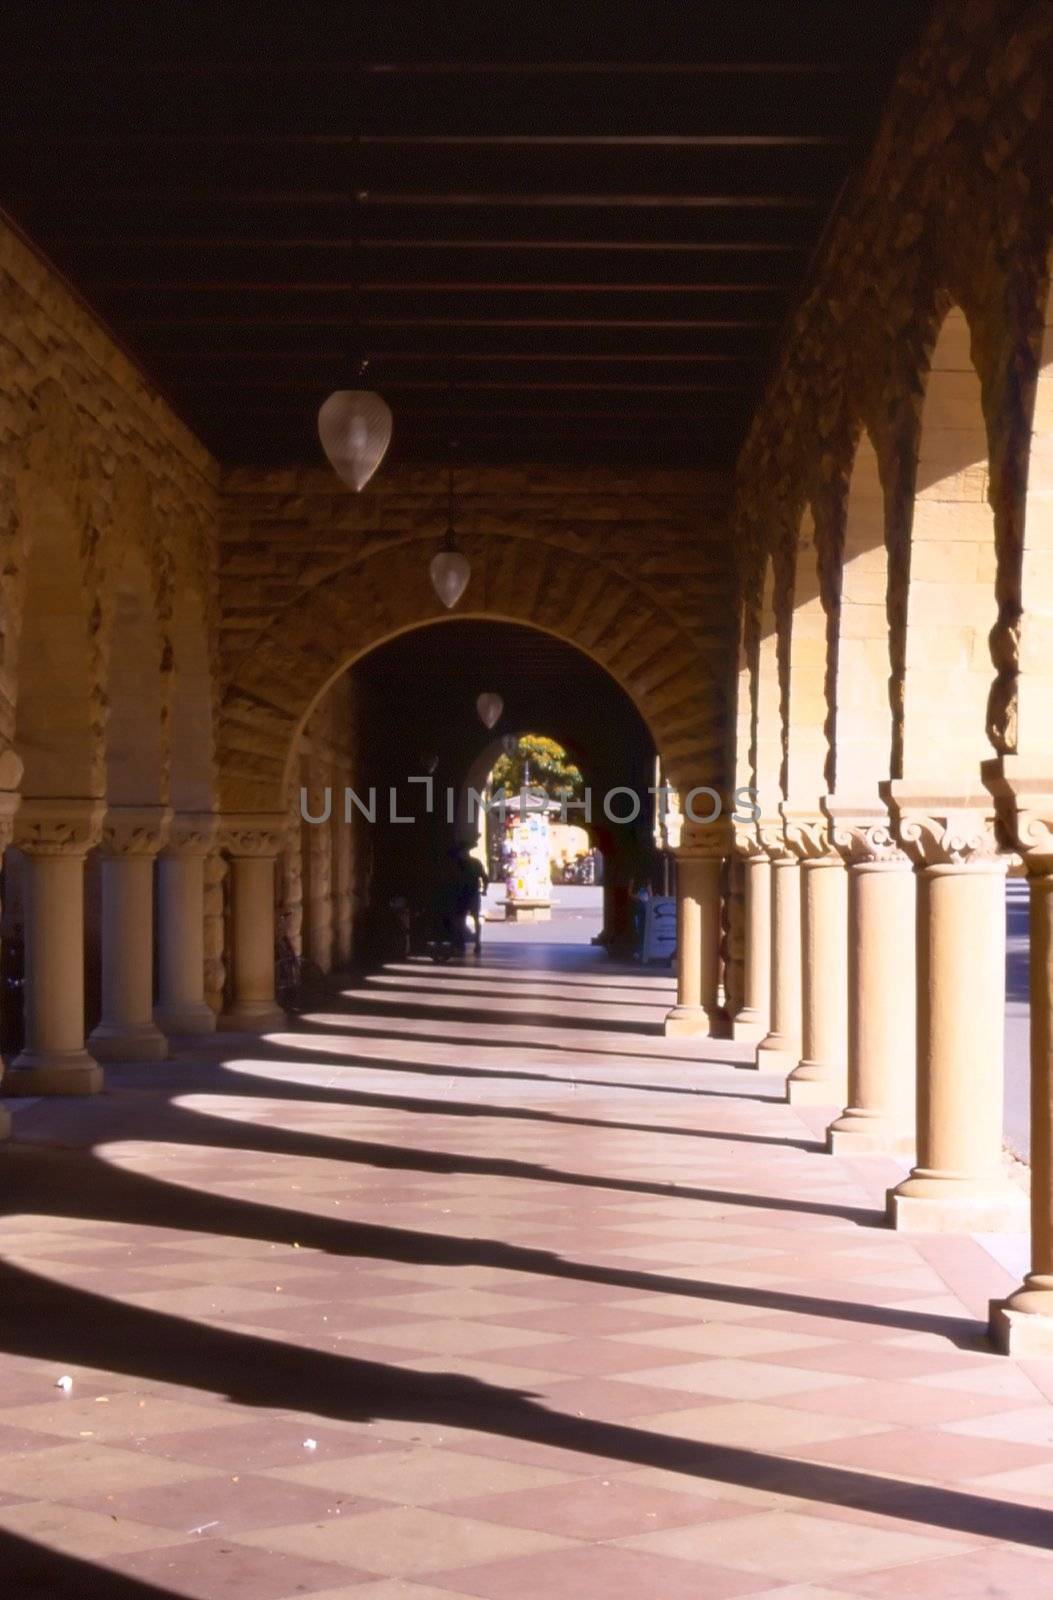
(588, 222)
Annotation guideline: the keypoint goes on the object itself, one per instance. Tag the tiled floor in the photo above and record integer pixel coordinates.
(477, 1286)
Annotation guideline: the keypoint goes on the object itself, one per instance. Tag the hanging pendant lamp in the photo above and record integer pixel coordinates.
(489, 707)
(450, 570)
(354, 426)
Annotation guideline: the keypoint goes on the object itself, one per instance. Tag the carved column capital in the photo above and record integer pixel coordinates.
(746, 842)
(705, 841)
(862, 834)
(134, 830)
(807, 835)
(255, 833)
(771, 832)
(9, 804)
(1023, 795)
(60, 826)
(192, 833)
(938, 832)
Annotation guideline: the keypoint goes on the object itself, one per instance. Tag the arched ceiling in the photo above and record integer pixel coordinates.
(592, 220)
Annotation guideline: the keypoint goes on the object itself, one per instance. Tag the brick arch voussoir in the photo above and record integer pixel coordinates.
(278, 682)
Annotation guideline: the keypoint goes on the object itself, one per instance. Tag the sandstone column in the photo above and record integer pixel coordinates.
(253, 843)
(126, 1031)
(820, 1076)
(181, 1006)
(751, 1021)
(780, 1049)
(697, 1009)
(54, 836)
(1023, 1324)
(879, 1114)
(10, 770)
(959, 1184)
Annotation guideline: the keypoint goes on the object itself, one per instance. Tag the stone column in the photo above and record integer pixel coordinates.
(750, 1023)
(780, 1049)
(215, 874)
(959, 1184)
(9, 802)
(126, 1031)
(697, 1010)
(821, 1075)
(54, 836)
(181, 1004)
(879, 1114)
(1022, 1325)
(342, 926)
(253, 843)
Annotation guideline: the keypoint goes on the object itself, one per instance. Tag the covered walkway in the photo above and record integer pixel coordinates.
(352, 1309)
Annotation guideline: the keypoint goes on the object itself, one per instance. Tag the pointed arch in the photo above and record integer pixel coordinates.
(862, 710)
(806, 747)
(952, 571)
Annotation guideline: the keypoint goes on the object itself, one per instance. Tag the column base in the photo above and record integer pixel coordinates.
(195, 1017)
(53, 1072)
(691, 1022)
(253, 1016)
(864, 1133)
(777, 1052)
(1022, 1326)
(810, 1084)
(749, 1026)
(924, 1203)
(111, 1041)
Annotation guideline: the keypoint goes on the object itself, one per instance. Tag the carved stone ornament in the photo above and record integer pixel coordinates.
(808, 836)
(943, 832)
(700, 841)
(771, 831)
(9, 804)
(192, 833)
(863, 835)
(746, 842)
(134, 830)
(1023, 796)
(59, 827)
(253, 833)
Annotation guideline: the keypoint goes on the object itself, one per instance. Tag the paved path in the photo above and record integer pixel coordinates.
(475, 1285)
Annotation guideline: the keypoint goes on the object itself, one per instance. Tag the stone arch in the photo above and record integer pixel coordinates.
(191, 737)
(52, 664)
(806, 747)
(862, 741)
(1034, 681)
(767, 739)
(136, 753)
(948, 669)
(515, 579)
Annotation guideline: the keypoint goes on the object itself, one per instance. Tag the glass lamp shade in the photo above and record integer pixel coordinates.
(489, 707)
(354, 426)
(450, 571)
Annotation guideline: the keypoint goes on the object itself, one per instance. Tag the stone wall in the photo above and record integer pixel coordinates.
(94, 463)
(952, 210)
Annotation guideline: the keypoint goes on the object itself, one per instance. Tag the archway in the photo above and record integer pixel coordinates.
(516, 580)
(952, 570)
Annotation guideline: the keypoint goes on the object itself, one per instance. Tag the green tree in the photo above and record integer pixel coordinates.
(542, 764)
